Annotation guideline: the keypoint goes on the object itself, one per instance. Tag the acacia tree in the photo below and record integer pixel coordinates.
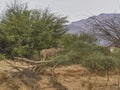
(23, 30)
(108, 28)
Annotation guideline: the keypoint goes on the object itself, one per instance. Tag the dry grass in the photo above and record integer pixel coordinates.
(73, 77)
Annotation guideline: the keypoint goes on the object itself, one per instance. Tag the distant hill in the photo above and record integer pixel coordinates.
(82, 26)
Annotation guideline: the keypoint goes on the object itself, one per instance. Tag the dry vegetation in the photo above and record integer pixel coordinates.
(22, 76)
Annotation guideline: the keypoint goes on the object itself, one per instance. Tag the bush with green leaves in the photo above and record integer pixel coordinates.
(68, 39)
(77, 52)
(95, 58)
(87, 38)
(116, 53)
(101, 63)
(2, 57)
(37, 29)
(20, 51)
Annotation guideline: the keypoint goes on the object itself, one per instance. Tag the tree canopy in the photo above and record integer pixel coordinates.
(23, 30)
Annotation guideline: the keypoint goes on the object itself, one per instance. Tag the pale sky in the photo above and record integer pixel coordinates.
(74, 9)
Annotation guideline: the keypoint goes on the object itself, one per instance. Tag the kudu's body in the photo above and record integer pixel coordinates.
(50, 52)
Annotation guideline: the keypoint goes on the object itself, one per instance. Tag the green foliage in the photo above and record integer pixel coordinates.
(77, 52)
(103, 50)
(34, 54)
(20, 51)
(95, 58)
(87, 38)
(100, 63)
(116, 53)
(50, 28)
(3, 57)
(22, 29)
(68, 39)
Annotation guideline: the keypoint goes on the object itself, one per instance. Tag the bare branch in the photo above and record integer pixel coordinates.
(108, 29)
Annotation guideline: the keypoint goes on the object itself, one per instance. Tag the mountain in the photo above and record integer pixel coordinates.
(80, 26)
(83, 26)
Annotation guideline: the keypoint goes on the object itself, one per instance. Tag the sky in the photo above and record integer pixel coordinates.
(74, 9)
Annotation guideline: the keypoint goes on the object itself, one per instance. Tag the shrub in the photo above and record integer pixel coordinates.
(34, 55)
(87, 38)
(2, 57)
(101, 63)
(69, 39)
(116, 53)
(95, 58)
(22, 29)
(20, 51)
(103, 50)
(76, 53)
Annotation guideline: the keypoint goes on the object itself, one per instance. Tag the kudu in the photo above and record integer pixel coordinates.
(50, 52)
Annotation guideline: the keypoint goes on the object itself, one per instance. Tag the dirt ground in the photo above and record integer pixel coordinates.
(73, 77)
